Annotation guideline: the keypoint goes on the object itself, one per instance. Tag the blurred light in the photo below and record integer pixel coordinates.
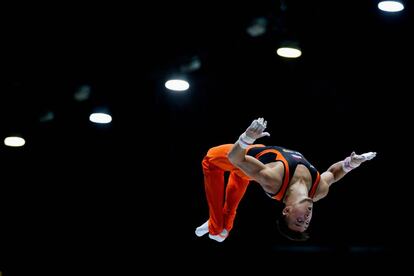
(83, 93)
(289, 52)
(47, 117)
(258, 27)
(390, 6)
(14, 141)
(100, 118)
(192, 65)
(177, 85)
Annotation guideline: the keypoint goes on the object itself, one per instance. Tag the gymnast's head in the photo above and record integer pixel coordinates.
(295, 220)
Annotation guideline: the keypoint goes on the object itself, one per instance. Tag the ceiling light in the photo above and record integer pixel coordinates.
(14, 141)
(100, 118)
(390, 6)
(289, 52)
(177, 85)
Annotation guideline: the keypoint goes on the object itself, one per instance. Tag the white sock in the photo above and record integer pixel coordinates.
(220, 237)
(202, 229)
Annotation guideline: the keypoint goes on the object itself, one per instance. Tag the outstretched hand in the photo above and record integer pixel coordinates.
(355, 160)
(256, 128)
(253, 132)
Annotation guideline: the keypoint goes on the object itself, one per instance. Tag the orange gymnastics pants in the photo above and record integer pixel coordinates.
(222, 200)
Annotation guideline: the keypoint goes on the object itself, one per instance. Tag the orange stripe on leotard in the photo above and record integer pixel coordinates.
(286, 177)
(315, 185)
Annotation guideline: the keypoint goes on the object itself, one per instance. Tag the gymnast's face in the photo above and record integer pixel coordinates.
(299, 215)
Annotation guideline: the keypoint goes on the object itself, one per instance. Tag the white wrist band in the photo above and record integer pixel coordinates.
(346, 165)
(245, 141)
(242, 144)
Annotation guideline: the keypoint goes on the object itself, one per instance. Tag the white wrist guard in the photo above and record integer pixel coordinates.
(245, 141)
(346, 165)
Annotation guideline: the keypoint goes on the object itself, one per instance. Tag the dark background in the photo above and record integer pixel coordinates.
(86, 199)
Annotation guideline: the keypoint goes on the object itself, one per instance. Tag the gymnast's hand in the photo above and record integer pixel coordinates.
(256, 128)
(355, 160)
(253, 132)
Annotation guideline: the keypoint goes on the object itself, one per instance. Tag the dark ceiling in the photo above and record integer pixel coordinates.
(353, 56)
(105, 191)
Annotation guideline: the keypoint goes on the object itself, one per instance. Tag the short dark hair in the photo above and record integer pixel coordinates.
(288, 233)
